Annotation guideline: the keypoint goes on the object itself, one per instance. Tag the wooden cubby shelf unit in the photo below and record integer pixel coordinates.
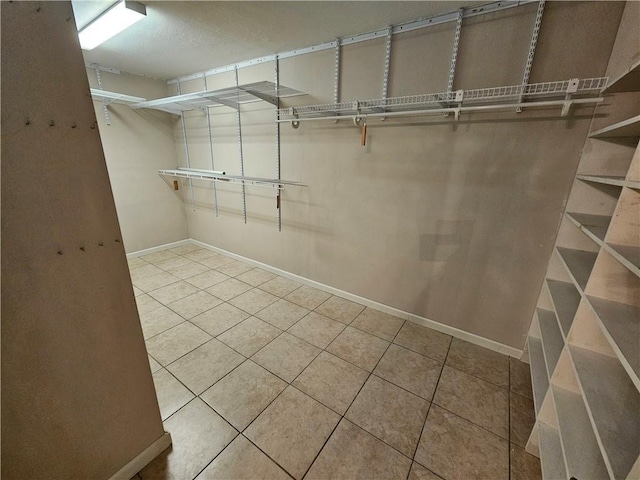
(584, 340)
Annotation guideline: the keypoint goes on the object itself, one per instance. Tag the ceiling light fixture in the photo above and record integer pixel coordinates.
(120, 16)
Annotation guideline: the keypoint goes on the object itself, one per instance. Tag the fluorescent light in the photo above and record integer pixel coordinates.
(110, 23)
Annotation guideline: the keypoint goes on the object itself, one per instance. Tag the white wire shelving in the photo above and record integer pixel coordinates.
(215, 176)
(113, 97)
(572, 91)
(227, 97)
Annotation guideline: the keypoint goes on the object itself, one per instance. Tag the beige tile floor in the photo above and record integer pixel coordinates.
(258, 376)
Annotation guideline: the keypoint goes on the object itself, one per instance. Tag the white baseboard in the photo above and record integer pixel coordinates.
(159, 248)
(144, 458)
(440, 327)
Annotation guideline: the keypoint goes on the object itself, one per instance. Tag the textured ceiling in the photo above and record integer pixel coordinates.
(179, 38)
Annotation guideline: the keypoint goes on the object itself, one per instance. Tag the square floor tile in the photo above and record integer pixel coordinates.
(409, 370)
(523, 465)
(195, 304)
(176, 342)
(307, 424)
(476, 400)
(307, 297)
(243, 394)
(359, 348)
(234, 268)
(186, 248)
(188, 271)
(216, 260)
(249, 336)
(159, 256)
(228, 289)
(424, 341)
(317, 329)
(286, 356)
(520, 378)
(355, 454)
(521, 419)
(207, 279)
(198, 434)
(146, 304)
(136, 262)
(173, 292)
(174, 262)
(256, 276)
(390, 413)
(336, 308)
(332, 381)
(378, 323)
(153, 365)
(137, 292)
(453, 447)
(480, 362)
(242, 460)
(253, 301)
(219, 319)
(418, 472)
(204, 366)
(152, 282)
(280, 286)
(282, 314)
(144, 271)
(158, 321)
(201, 254)
(172, 395)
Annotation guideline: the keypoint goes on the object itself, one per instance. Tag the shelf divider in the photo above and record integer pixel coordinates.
(581, 449)
(553, 467)
(565, 298)
(627, 128)
(628, 81)
(614, 403)
(579, 263)
(595, 226)
(552, 342)
(621, 326)
(539, 377)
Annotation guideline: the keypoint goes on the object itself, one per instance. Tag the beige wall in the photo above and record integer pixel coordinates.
(78, 400)
(136, 145)
(452, 222)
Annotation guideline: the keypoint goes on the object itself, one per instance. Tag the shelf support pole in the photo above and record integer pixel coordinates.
(213, 167)
(277, 91)
(186, 153)
(244, 197)
(532, 51)
(107, 117)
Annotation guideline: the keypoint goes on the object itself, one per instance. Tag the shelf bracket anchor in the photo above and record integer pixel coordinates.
(571, 88)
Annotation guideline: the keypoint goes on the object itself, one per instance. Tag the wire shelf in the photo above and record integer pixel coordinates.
(227, 97)
(196, 174)
(113, 97)
(448, 99)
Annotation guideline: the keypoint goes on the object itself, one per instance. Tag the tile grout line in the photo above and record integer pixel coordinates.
(429, 409)
(354, 399)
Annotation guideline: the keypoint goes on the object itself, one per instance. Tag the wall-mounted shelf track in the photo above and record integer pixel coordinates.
(196, 174)
(534, 95)
(113, 97)
(227, 97)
